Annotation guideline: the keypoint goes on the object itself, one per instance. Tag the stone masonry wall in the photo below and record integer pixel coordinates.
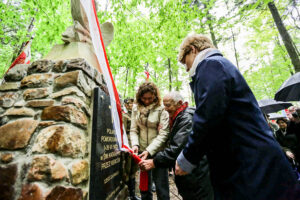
(45, 115)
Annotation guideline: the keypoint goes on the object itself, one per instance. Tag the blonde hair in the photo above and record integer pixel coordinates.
(199, 42)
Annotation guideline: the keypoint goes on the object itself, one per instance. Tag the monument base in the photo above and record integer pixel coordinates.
(74, 50)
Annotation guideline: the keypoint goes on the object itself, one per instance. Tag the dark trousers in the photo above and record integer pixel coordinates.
(196, 185)
(192, 188)
(161, 179)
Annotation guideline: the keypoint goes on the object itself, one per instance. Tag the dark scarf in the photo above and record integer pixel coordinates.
(179, 110)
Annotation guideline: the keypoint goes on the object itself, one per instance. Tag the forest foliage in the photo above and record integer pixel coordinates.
(148, 34)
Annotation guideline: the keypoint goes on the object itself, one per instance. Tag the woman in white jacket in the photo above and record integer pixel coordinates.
(148, 133)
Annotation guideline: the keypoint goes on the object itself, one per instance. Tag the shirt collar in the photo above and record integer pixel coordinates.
(200, 57)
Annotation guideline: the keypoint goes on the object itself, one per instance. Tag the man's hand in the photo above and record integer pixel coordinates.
(290, 155)
(135, 149)
(179, 171)
(144, 155)
(147, 164)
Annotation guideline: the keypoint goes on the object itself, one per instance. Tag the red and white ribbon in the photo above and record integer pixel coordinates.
(98, 44)
(97, 40)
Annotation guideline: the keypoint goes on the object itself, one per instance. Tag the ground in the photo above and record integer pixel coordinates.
(173, 190)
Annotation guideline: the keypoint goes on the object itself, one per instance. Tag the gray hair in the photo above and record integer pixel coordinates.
(175, 96)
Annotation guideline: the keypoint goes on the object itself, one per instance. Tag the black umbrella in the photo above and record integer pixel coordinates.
(290, 89)
(271, 106)
(276, 116)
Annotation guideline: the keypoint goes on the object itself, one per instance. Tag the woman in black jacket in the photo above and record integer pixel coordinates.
(287, 139)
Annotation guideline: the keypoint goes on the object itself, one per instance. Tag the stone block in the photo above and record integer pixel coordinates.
(37, 80)
(79, 172)
(40, 103)
(46, 123)
(79, 64)
(35, 93)
(6, 157)
(40, 66)
(74, 78)
(64, 113)
(45, 168)
(20, 103)
(8, 176)
(63, 193)
(17, 73)
(19, 112)
(92, 84)
(60, 66)
(9, 86)
(67, 79)
(3, 120)
(40, 168)
(62, 139)
(76, 102)
(16, 135)
(31, 192)
(69, 91)
(58, 171)
(8, 99)
(99, 79)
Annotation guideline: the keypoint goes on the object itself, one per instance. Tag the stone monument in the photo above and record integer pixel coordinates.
(47, 145)
(77, 39)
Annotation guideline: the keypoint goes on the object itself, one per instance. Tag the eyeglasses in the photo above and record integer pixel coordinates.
(184, 55)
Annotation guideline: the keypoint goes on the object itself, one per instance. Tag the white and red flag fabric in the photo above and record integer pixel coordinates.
(98, 44)
(24, 57)
(99, 48)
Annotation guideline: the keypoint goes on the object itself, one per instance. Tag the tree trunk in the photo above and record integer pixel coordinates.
(126, 81)
(235, 51)
(211, 29)
(212, 33)
(170, 75)
(233, 41)
(134, 74)
(177, 80)
(283, 55)
(286, 38)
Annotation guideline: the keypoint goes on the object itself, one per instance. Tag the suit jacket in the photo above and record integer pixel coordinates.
(245, 160)
(197, 182)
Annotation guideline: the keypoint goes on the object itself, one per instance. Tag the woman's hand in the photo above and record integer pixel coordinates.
(144, 155)
(135, 149)
(147, 164)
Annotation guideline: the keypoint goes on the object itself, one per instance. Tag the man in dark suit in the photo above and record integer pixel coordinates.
(245, 160)
(197, 184)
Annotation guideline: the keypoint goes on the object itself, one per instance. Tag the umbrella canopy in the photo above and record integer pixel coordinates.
(276, 116)
(290, 89)
(271, 106)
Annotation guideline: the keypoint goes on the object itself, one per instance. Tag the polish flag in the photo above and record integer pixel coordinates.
(99, 48)
(24, 57)
(147, 75)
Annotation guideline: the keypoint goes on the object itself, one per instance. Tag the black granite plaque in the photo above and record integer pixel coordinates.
(106, 167)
